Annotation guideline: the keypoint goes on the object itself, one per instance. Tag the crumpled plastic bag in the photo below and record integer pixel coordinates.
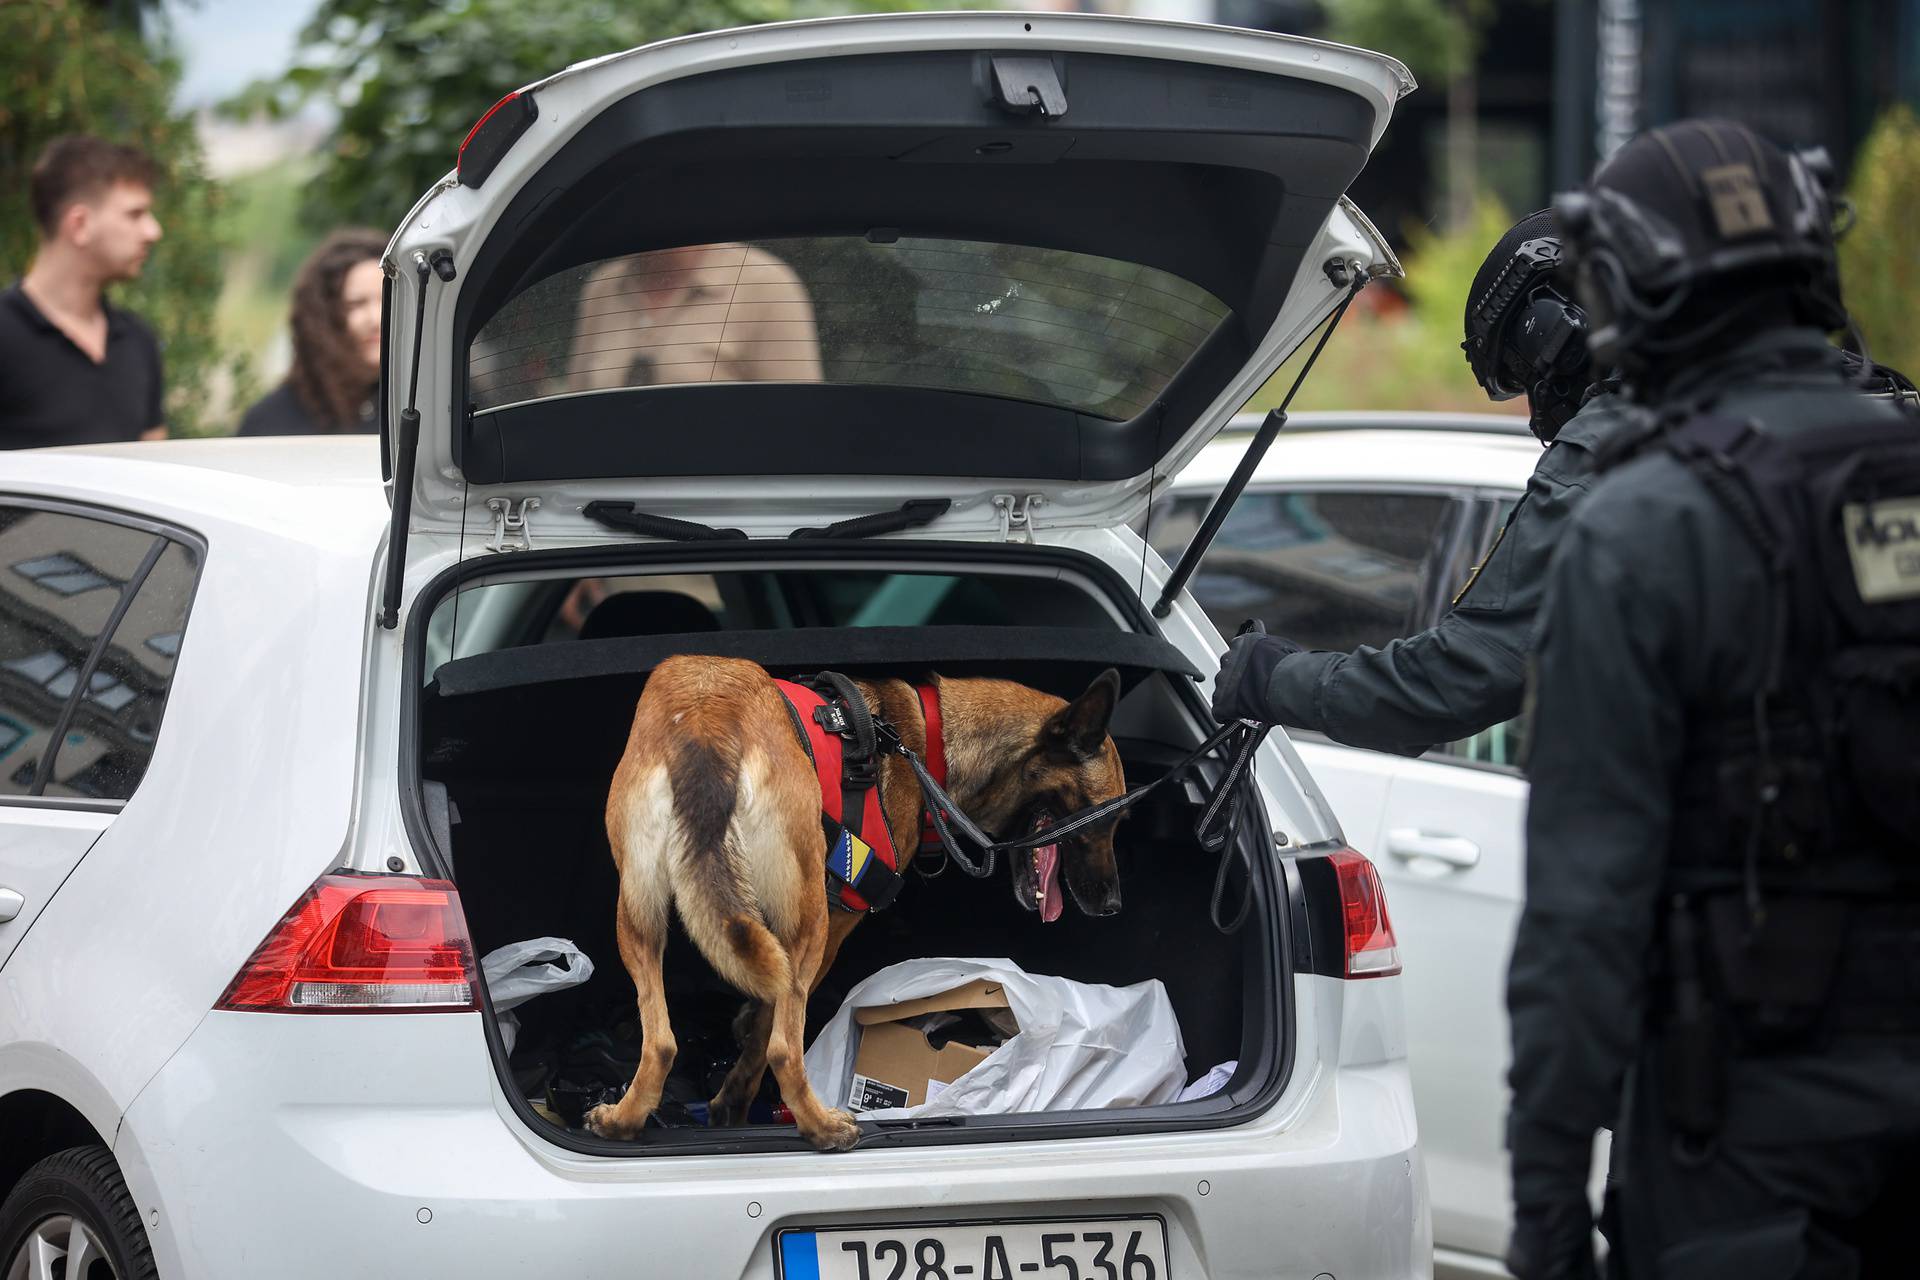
(1211, 1083)
(519, 971)
(1080, 1046)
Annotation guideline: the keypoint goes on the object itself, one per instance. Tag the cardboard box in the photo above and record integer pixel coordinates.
(897, 1066)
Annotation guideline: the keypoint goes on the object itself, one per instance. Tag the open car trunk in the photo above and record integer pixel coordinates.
(519, 735)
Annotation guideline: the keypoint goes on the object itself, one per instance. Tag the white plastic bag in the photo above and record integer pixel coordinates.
(1080, 1046)
(519, 971)
(1211, 1083)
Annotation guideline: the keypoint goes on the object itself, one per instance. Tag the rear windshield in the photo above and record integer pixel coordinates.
(1044, 325)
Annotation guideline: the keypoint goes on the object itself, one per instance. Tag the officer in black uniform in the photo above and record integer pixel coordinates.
(1525, 336)
(1719, 955)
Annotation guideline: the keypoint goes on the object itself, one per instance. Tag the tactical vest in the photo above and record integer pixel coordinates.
(1793, 873)
(1813, 785)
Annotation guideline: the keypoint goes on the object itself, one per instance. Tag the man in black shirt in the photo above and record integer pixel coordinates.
(73, 368)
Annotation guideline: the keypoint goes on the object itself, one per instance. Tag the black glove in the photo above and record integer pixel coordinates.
(1240, 690)
(1552, 1221)
(1553, 1242)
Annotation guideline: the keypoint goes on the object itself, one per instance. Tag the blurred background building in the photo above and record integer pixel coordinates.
(1557, 84)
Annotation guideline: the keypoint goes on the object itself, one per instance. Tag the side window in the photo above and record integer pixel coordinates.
(1330, 569)
(110, 739)
(1501, 744)
(78, 718)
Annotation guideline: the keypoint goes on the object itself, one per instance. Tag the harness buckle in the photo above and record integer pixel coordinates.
(860, 772)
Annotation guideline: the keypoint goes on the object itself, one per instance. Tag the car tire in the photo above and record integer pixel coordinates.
(73, 1208)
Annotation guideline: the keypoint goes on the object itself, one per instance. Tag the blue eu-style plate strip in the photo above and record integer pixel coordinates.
(799, 1256)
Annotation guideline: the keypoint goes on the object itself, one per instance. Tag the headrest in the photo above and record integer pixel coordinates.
(647, 613)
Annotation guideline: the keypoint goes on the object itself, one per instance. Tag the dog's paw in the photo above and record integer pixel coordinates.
(604, 1122)
(837, 1132)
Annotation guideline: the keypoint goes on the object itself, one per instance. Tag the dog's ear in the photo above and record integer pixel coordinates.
(1076, 731)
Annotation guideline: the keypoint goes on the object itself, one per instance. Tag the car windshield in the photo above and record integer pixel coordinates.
(1045, 325)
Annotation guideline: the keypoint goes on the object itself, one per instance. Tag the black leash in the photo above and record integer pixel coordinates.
(1215, 832)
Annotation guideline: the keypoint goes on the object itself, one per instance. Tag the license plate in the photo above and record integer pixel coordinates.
(1082, 1249)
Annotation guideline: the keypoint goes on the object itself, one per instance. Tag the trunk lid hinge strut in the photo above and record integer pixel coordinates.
(1342, 275)
(1016, 513)
(406, 439)
(510, 529)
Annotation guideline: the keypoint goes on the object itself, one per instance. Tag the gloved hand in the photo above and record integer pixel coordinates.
(1240, 691)
(1553, 1241)
(1552, 1221)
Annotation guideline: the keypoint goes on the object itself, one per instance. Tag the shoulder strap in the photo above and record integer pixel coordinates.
(862, 859)
(1747, 470)
(1756, 480)
(935, 755)
(1626, 442)
(844, 712)
(1857, 437)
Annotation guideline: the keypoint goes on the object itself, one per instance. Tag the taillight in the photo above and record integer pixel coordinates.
(362, 943)
(1372, 950)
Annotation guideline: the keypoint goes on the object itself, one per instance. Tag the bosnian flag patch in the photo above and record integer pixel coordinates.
(849, 857)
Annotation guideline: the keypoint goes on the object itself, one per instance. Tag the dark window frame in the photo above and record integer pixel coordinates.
(163, 533)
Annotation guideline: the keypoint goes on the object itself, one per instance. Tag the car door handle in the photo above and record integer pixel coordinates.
(1410, 844)
(11, 904)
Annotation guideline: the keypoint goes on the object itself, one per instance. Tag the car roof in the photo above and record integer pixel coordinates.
(1477, 450)
(322, 487)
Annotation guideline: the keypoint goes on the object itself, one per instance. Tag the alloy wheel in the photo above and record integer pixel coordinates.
(61, 1248)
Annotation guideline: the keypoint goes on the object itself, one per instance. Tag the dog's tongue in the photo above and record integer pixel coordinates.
(1046, 866)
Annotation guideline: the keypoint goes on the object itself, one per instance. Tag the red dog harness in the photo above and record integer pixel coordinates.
(935, 755)
(863, 864)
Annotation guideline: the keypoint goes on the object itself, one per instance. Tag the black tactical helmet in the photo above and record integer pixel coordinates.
(1524, 334)
(1702, 207)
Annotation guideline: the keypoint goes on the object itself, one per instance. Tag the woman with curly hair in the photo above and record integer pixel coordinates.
(336, 343)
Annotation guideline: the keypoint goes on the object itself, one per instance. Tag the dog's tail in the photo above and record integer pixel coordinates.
(716, 902)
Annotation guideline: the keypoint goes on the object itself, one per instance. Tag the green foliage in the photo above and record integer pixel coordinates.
(266, 245)
(1437, 39)
(409, 78)
(68, 71)
(1391, 356)
(1880, 257)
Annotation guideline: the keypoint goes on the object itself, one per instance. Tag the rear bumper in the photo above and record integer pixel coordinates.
(321, 1145)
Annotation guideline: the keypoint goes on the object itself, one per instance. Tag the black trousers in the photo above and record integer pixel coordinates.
(1815, 1174)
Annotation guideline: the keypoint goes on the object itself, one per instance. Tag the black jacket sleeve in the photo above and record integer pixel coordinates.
(1468, 672)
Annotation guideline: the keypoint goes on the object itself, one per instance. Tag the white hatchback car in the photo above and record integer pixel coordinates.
(1357, 528)
(284, 751)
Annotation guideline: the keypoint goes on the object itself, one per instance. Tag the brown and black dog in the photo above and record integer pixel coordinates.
(715, 812)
